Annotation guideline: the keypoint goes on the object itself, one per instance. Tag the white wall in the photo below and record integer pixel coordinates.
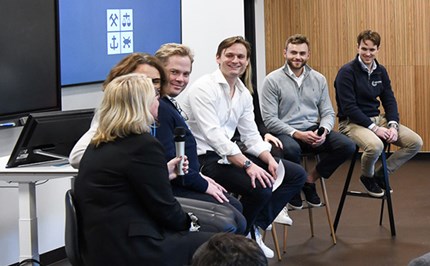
(204, 24)
(260, 43)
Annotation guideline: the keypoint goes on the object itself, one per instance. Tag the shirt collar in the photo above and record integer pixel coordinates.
(363, 65)
(219, 78)
(291, 74)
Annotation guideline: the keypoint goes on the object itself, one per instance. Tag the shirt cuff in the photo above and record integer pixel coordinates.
(392, 122)
(292, 132)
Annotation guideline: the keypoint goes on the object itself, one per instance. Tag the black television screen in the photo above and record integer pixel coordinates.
(49, 137)
(97, 34)
(29, 58)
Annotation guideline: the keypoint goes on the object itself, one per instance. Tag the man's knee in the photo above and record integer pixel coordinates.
(292, 153)
(349, 147)
(374, 146)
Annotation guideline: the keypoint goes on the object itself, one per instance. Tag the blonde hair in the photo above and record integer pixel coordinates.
(125, 108)
(170, 49)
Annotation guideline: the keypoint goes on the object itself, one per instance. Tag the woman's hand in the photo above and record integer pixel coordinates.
(215, 190)
(172, 166)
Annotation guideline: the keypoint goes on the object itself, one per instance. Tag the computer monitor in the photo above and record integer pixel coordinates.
(49, 137)
(29, 58)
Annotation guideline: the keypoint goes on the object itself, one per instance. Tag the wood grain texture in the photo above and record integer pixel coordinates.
(332, 27)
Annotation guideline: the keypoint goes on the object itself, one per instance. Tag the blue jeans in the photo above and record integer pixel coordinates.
(336, 149)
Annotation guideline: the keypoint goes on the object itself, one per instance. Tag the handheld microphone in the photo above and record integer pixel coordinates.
(320, 131)
(180, 147)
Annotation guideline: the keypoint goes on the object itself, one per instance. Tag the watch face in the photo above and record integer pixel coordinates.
(247, 164)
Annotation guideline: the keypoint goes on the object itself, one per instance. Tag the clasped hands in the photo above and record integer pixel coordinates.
(389, 135)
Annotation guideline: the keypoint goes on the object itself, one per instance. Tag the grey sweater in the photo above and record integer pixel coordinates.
(286, 107)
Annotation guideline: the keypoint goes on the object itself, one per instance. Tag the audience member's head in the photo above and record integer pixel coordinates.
(177, 59)
(129, 106)
(227, 249)
(140, 63)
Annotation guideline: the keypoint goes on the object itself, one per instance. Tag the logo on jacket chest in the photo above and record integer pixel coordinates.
(376, 82)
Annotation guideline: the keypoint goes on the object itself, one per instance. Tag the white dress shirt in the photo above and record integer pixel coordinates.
(214, 116)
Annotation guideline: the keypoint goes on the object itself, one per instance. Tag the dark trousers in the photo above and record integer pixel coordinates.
(233, 204)
(260, 205)
(336, 149)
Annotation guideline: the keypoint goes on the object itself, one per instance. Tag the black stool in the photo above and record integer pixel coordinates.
(386, 197)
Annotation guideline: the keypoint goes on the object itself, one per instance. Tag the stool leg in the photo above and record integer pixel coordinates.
(388, 194)
(275, 240)
(327, 209)
(381, 214)
(311, 220)
(285, 238)
(345, 188)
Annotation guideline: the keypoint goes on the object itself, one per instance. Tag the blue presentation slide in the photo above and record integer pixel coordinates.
(97, 34)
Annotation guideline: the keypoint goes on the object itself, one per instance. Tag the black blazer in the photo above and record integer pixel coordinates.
(127, 211)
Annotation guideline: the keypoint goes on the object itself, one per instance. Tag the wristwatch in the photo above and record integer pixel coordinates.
(247, 164)
(394, 125)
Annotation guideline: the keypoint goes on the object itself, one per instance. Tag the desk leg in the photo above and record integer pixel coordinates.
(28, 241)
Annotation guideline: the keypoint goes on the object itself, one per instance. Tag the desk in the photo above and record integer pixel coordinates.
(26, 178)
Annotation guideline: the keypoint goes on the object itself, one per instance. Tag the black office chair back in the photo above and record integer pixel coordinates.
(71, 236)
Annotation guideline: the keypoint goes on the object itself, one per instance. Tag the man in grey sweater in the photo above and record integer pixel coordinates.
(296, 107)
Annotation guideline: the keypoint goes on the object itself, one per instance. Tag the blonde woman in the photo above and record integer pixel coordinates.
(127, 211)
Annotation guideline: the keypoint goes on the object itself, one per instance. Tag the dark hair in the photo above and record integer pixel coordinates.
(226, 43)
(228, 249)
(368, 35)
(297, 39)
(129, 64)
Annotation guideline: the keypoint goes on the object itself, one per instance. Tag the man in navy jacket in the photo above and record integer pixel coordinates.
(177, 60)
(361, 85)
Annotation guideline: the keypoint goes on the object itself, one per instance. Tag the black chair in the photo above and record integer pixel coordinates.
(212, 218)
(386, 197)
(71, 236)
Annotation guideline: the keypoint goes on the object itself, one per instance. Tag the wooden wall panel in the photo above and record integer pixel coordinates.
(332, 27)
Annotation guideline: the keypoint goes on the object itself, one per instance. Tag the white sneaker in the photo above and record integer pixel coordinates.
(259, 239)
(283, 217)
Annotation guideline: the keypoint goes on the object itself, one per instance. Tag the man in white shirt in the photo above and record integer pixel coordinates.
(217, 104)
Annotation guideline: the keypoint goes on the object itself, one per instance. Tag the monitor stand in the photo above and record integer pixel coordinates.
(57, 159)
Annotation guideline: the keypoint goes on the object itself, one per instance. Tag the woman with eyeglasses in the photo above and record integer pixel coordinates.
(126, 209)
